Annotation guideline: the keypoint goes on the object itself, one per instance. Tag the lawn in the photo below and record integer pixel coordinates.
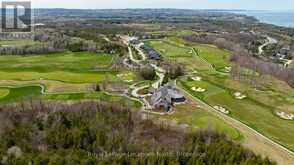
(65, 76)
(65, 69)
(128, 76)
(51, 86)
(168, 50)
(257, 110)
(16, 94)
(219, 58)
(181, 54)
(18, 42)
(250, 110)
(66, 61)
(3, 92)
(22, 93)
(199, 118)
(210, 89)
(57, 75)
(132, 104)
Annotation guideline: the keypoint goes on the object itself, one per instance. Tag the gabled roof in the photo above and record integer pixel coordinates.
(165, 95)
(153, 54)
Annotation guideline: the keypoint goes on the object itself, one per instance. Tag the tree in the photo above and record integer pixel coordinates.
(148, 73)
(174, 70)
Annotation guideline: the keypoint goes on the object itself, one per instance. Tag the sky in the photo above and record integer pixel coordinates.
(182, 4)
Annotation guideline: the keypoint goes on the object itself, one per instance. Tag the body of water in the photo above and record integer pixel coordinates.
(280, 18)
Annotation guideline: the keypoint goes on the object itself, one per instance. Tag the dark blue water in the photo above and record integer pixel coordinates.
(280, 18)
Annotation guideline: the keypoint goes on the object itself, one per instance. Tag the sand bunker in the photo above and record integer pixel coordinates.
(124, 75)
(128, 81)
(239, 96)
(228, 69)
(285, 116)
(221, 109)
(200, 90)
(196, 78)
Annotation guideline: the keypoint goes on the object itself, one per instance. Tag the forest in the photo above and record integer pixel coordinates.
(106, 133)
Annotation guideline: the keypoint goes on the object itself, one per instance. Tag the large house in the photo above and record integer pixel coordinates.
(134, 41)
(153, 54)
(166, 96)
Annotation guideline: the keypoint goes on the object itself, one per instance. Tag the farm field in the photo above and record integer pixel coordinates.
(258, 110)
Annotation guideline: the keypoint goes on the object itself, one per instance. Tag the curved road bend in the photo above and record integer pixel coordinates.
(269, 41)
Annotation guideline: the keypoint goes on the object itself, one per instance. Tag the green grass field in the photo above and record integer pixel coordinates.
(3, 93)
(67, 61)
(60, 73)
(199, 118)
(168, 50)
(16, 94)
(18, 42)
(213, 55)
(184, 55)
(23, 93)
(68, 67)
(250, 110)
(74, 72)
(171, 49)
(50, 85)
(257, 110)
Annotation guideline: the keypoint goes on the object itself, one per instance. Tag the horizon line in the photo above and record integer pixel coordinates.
(139, 8)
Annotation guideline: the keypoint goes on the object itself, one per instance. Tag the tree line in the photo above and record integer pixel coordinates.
(52, 41)
(243, 59)
(35, 132)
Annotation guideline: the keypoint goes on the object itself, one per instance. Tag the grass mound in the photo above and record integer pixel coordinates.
(4, 92)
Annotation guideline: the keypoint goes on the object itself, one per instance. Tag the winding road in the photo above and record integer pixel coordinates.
(269, 41)
(160, 73)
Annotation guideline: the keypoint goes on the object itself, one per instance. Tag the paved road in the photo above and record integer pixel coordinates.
(269, 41)
(160, 72)
(131, 56)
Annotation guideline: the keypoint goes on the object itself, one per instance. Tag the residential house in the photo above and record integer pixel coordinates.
(165, 97)
(152, 54)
